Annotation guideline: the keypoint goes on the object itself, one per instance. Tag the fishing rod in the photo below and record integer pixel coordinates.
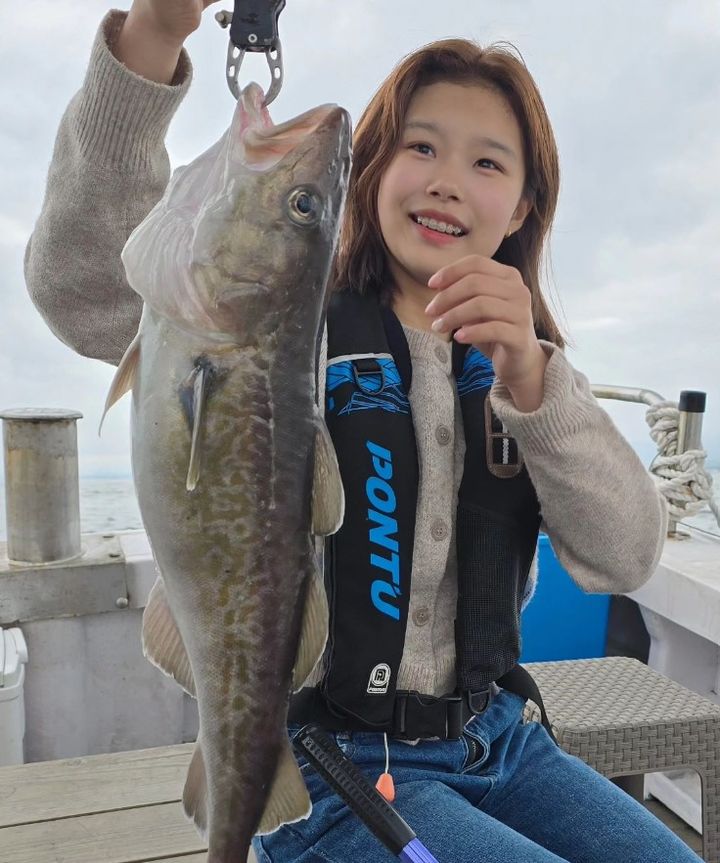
(253, 27)
(350, 783)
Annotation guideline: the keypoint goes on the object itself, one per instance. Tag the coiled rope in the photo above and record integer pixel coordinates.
(681, 477)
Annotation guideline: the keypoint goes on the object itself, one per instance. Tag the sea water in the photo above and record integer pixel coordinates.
(110, 505)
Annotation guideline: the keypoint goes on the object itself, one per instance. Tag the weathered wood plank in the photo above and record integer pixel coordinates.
(199, 858)
(189, 858)
(95, 783)
(123, 836)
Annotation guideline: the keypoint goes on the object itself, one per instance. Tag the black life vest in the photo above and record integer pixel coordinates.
(368, 562)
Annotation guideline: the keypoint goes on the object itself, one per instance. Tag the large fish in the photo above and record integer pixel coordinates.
(233, 465)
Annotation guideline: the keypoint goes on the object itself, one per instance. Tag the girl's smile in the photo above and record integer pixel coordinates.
(437, 225)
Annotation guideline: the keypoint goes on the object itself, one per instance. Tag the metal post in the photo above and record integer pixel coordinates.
(41, 485)
(692, 408)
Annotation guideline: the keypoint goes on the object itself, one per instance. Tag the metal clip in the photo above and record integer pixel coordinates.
(253, 27)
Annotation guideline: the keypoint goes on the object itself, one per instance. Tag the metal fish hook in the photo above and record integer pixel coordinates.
(253, 27)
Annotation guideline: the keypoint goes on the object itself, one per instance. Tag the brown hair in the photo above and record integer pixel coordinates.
(361, 261)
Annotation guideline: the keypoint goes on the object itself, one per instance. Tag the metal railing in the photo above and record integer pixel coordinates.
(41, 472)
(691, 409)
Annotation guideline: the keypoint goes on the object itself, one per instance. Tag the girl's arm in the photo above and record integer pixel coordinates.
(108, 169)
(601, 509)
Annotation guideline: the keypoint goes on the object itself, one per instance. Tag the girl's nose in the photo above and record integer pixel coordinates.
(444, 188)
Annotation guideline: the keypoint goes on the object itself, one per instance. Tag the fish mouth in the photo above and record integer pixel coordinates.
(265, 147)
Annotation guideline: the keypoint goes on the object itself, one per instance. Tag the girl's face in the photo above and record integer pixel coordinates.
(459, 161)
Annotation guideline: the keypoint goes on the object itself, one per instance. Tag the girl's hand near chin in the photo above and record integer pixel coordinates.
(491, 308)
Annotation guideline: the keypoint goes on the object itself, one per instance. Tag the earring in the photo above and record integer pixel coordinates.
(508, 234)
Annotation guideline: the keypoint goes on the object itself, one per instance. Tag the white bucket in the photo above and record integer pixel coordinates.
(13, 656)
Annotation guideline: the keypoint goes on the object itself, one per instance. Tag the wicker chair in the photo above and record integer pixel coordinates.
(625, 720)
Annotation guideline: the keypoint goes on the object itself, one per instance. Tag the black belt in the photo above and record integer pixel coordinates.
(416, 716)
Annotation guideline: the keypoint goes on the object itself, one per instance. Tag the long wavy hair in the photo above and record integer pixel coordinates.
(361, 262)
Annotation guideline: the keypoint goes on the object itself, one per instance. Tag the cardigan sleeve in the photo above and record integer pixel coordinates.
(108, 170)
(600, 507)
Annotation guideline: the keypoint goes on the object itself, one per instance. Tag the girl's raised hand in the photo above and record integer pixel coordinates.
(153, 34)
(490, 306)
(173, 20)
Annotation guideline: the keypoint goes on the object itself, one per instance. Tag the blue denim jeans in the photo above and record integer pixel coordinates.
(523, 800)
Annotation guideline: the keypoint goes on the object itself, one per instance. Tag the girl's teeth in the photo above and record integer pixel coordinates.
(441, 227)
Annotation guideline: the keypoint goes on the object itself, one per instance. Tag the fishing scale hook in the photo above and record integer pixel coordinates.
(253, 27)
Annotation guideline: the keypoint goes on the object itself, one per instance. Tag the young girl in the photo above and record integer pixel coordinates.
(460, 426)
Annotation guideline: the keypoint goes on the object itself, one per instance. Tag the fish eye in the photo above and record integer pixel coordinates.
(304, 206)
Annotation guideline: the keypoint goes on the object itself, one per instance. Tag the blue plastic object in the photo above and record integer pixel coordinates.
(416, 852)
(562, 621)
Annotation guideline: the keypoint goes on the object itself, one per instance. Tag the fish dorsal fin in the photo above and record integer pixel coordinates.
(195, 792)
(198, 411)
(328, 496)
(288, 800)
(124, 377)
(161, 639)
(313, 635)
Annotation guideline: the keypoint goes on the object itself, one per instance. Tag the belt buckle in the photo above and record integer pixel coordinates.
(448, 710)
(454, 717)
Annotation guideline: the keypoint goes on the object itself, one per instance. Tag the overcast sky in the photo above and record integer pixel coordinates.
(633, 93)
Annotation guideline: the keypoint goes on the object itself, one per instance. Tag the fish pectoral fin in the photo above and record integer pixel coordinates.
(195, 792)
(288, 800)
(328, 495)
(124, 377)
(314, 632)
(161, 639)
(198, 414)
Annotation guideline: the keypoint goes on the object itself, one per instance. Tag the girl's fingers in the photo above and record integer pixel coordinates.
(472, 285)
(471, 264)
(476, 310)
(492, 332)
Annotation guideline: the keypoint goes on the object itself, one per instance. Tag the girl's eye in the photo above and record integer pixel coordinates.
(419, 146)
(489, 161)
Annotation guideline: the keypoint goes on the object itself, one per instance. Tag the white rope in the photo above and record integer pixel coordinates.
(387, 754)
(681, 477)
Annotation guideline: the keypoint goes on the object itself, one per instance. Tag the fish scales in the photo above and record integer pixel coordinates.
(230, 529)
(233, 466)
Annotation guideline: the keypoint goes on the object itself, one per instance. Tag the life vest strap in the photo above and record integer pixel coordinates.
(417, 716)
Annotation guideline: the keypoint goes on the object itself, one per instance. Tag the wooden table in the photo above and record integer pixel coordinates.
(118, 808)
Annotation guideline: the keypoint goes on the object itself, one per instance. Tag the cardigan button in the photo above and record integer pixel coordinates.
(439, 530)
(442, 435)
(441, 353)
(421, 616)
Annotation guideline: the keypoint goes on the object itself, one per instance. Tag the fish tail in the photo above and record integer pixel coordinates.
(288, 800)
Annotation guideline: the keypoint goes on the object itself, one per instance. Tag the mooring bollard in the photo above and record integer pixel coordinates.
(42, 492)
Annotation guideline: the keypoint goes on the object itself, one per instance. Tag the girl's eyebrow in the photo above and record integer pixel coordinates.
(482, 140)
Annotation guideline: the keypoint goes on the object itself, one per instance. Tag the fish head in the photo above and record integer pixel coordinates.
(241, 245)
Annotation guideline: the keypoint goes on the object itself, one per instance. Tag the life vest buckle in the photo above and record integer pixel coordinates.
(479, 701)
(367, 367)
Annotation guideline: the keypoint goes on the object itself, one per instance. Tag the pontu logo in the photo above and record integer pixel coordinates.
(383, 534)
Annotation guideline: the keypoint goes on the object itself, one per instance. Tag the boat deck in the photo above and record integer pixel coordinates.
(120, 808)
